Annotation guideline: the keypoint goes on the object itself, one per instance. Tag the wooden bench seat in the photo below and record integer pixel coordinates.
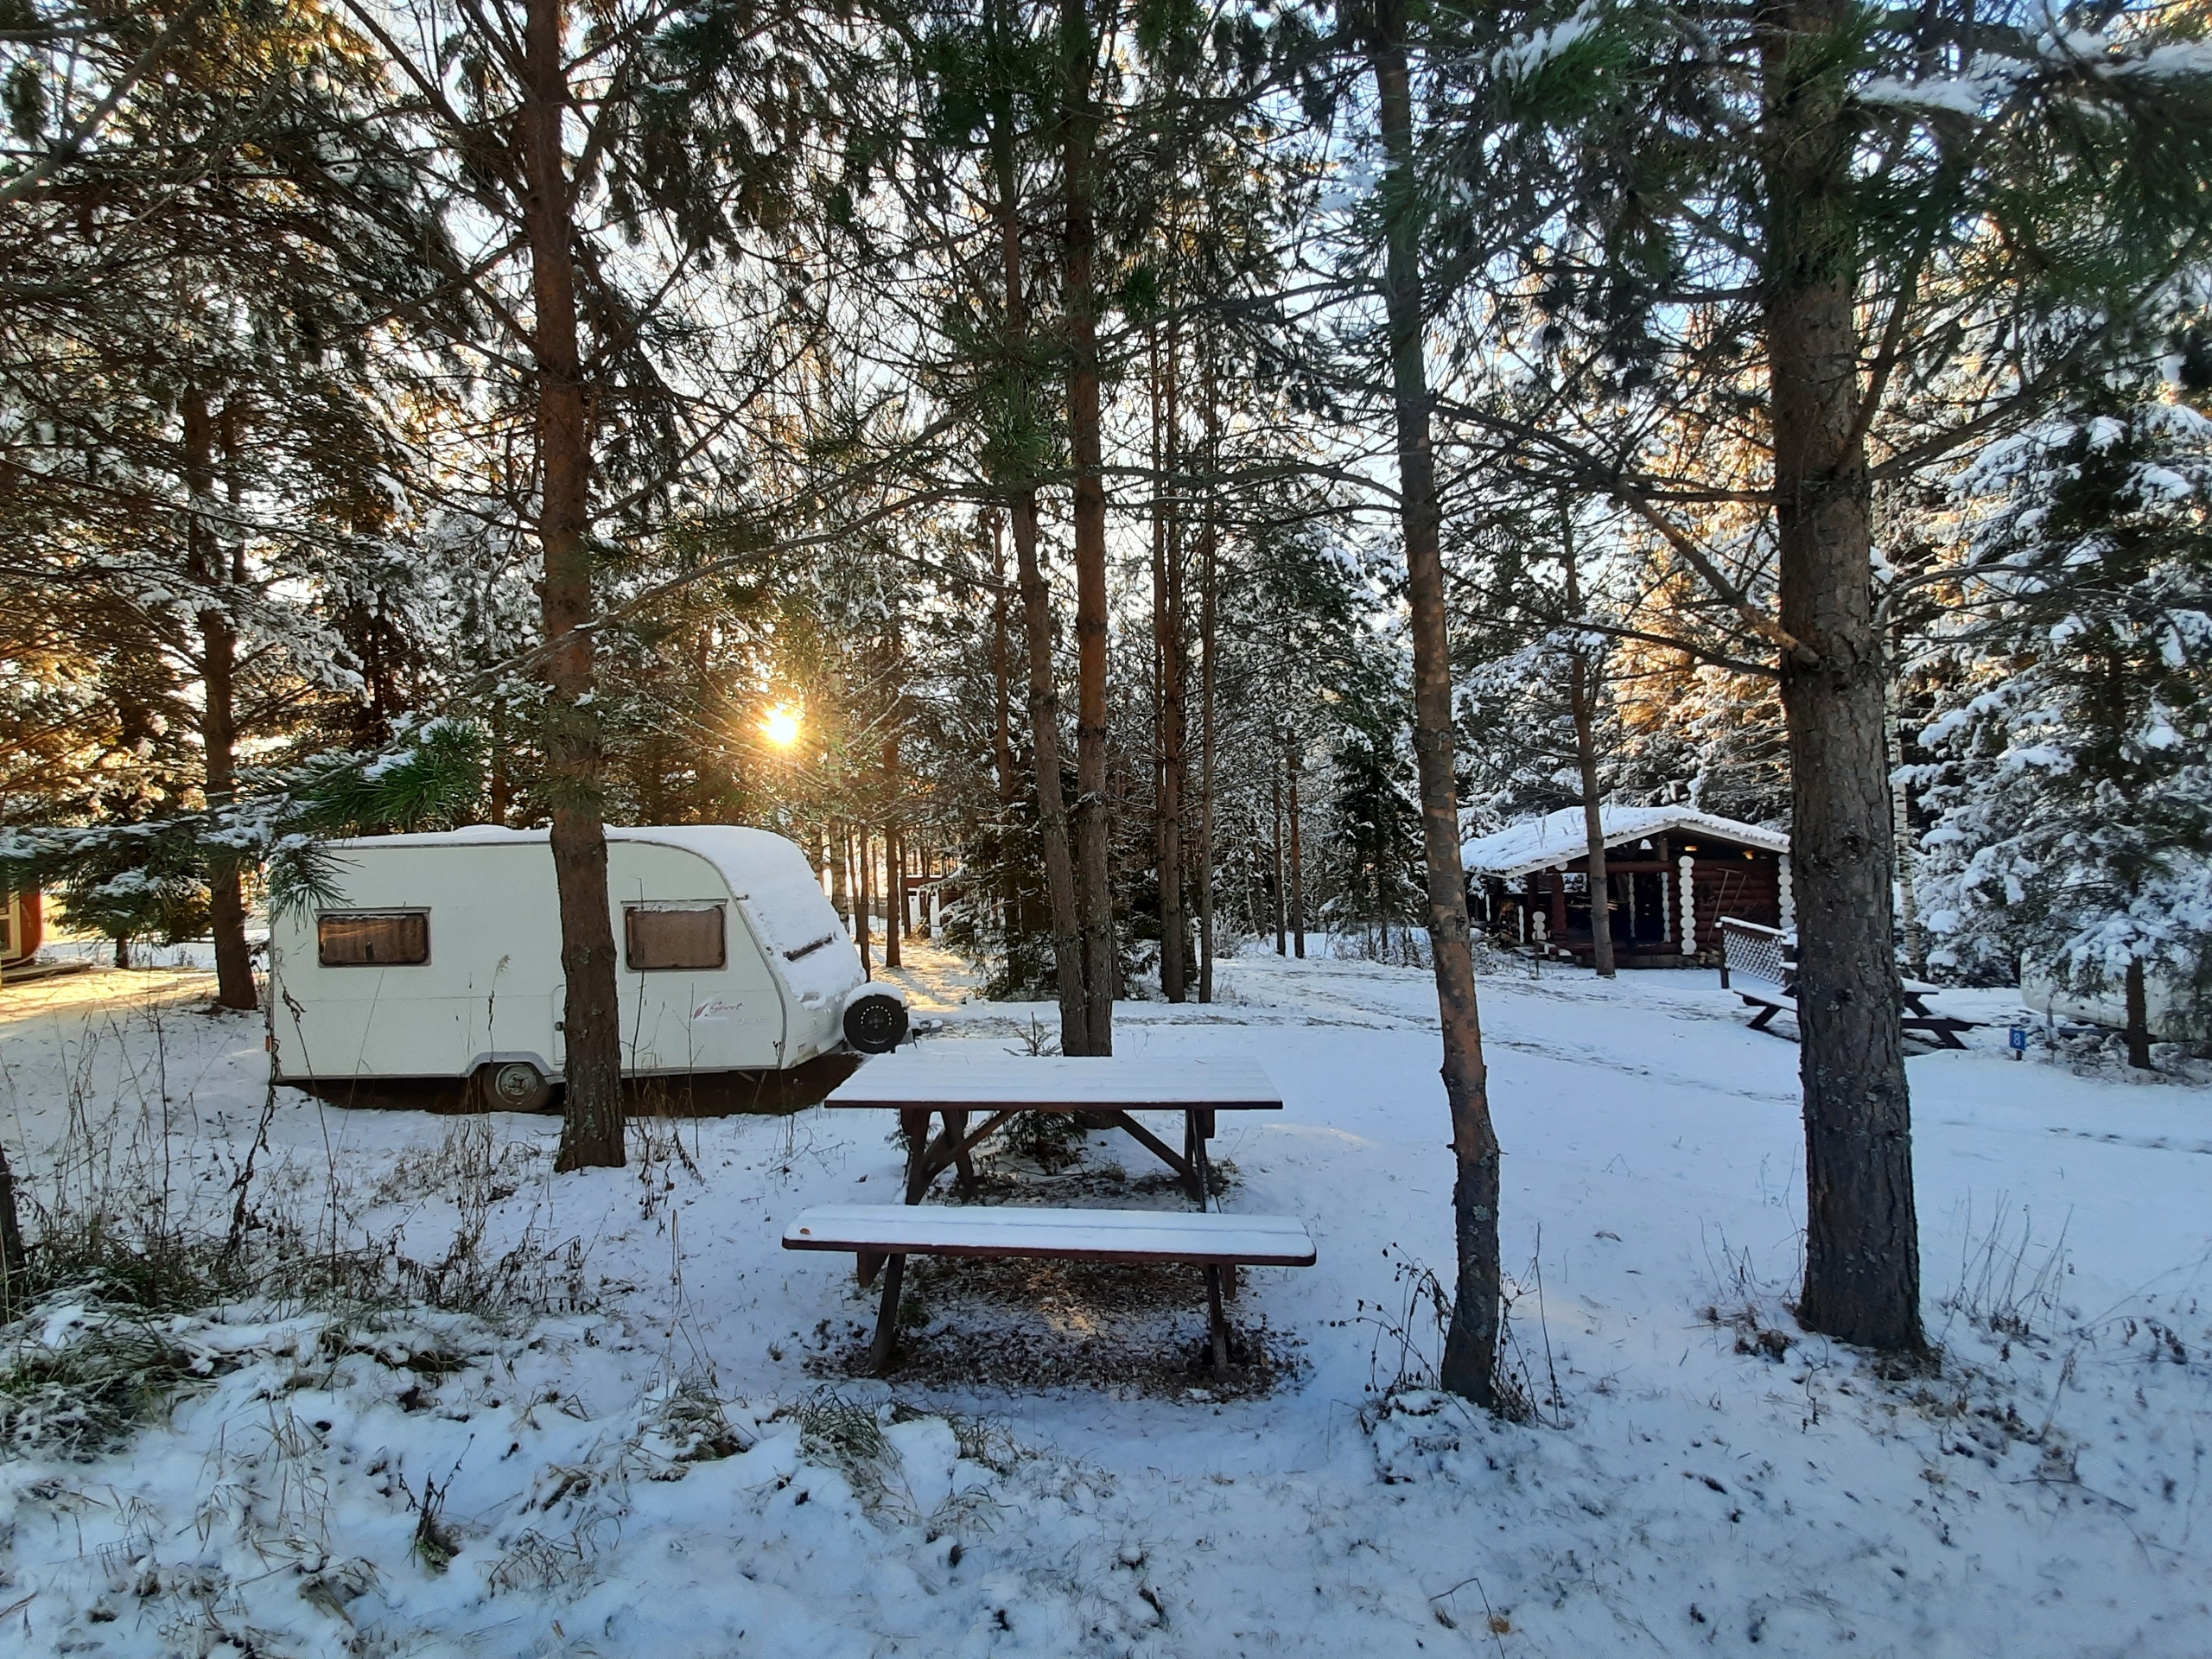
(1207, 1239)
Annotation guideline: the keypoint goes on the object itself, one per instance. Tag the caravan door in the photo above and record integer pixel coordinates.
(695, 994)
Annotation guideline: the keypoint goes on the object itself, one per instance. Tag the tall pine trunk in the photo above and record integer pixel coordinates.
(1470, 1366)
(218, 732)
(894, 851)
(1297, 856)
(865, 910)
(1282, 946)
(2137, 999)
(1001, 675)
(1585, 758)
(1094, 891)
(1862, 1249)
(1008, 900)
(591, 1134)
(1167, 643)
(1043, 700)
(15, 1262)
(1208, 550)
(840, 859)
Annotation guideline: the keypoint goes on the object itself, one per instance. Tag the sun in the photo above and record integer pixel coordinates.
(781, 726)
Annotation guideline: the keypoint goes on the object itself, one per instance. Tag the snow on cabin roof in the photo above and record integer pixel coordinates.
(1539, 843)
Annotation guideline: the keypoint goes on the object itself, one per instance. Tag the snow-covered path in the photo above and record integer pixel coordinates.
(1700, 1476)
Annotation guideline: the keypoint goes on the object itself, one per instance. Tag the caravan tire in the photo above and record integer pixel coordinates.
(876, 1024)
(513, 1086)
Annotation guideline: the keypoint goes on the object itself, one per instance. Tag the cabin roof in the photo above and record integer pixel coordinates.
(1558, 837)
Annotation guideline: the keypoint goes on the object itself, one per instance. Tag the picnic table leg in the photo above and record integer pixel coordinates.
(1166, 1154)
(1198, 1130)
(916, 1122)
(1194, 1156)
(887, 1318)
(868, 1263)
(1218, 1323)
(956, 1130)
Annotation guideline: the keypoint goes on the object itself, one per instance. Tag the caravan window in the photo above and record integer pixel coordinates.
(393, 939)
(672, 936)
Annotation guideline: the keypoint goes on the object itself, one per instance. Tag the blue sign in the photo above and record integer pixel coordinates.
(2019, 1041)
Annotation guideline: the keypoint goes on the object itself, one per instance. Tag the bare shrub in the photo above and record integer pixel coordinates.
(2008, 1284)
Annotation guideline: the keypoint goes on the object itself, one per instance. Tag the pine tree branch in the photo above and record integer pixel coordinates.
(68, 149)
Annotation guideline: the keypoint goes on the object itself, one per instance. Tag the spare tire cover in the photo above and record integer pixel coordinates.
(876, 1024)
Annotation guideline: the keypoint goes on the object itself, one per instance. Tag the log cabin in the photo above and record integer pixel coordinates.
(1529, 884)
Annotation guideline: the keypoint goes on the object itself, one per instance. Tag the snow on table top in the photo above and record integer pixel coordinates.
(1091, 1234)
(1130, 1083)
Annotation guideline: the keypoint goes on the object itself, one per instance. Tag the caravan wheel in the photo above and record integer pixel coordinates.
(514, 1086)
(876, 1024)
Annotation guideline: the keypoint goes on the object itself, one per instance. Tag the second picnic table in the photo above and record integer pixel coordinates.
(920, 1086)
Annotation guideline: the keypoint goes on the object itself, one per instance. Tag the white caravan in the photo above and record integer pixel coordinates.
(439, 957)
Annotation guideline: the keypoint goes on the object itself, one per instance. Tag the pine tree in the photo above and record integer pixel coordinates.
(1851, 206)
(2073, 797)
(1374, 848)
(568, 139)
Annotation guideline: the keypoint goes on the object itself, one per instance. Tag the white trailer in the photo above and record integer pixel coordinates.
(439, 956)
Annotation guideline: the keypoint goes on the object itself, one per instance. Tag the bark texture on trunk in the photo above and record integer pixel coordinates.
(1044, 702)
(1297, 856)
(2139, 1016)
(591, 1133)
(1282, 945)
(1052, 804)
(1470, 1366)
(1585, 758)
(1001, 673)
(1079, 140)
(866, 910)
(894, 850)
(1209, 551)
(15, 1265)
(502, 789)
(1168, 645)
(1862, 1248)
(218, 732)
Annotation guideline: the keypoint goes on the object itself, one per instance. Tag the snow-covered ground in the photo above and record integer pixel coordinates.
(667, 1459)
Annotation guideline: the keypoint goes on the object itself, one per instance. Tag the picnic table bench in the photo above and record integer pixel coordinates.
(1767, 957)
(1208, 1239)
(1103, 1090)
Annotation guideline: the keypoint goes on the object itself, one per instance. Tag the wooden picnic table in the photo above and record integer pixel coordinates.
(924, 1085)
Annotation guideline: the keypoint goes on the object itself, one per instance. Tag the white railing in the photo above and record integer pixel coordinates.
(1762, 953)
